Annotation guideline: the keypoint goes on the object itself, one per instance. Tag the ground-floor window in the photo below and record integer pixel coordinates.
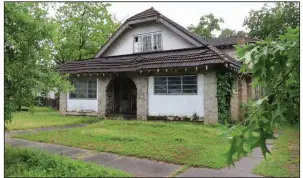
(84, 88)
(175, 84)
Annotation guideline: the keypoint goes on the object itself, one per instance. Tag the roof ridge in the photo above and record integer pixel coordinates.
(138, 15)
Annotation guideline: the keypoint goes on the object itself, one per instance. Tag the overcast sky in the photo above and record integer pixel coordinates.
(186, 13)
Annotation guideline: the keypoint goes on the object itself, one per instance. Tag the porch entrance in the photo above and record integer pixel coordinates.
(121, 96)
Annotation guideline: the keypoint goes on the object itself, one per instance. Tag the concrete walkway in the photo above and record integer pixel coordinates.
(242, 168)
(136, 166)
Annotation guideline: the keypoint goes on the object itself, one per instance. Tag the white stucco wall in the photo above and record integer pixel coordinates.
(124, 44)
(86, 105)
(176, 105)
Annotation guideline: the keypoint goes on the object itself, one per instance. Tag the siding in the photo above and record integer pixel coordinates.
(124, 44)
(176, 105)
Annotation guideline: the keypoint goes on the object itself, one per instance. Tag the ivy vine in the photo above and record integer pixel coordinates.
(225, 82)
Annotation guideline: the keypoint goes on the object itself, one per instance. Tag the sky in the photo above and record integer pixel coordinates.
(186, 13)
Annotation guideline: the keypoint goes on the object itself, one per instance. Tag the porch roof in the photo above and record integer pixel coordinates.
(181, 58)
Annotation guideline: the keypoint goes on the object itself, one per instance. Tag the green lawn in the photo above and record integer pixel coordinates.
(22, 162)
(176, 142)
(43, 117)
(285, 158)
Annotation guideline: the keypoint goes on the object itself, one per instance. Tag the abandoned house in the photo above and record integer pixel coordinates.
(152, 66)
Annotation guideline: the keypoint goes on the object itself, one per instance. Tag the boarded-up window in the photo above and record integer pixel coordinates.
(147, 42)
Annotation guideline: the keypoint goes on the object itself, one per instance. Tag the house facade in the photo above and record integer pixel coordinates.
(151, 66)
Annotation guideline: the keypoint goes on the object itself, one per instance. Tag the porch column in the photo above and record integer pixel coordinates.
(210, 98)
(63, 103)
(142, 96)
(102, 85)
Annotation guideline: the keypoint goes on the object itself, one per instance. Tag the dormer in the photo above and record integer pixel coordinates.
(148, 31)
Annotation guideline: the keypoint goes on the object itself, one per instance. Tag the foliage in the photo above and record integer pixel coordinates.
(276, 69)
(185, 143)
(207, 25)
(284, 160)
(82, 27)
(27, 64)
(25, 162)
(44, 117)
(273, 21)
(226, 32)
(225, 83)
(195, 117)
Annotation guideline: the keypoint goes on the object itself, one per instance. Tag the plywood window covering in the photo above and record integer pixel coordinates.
(147, 42)
(84, 89)
(175, 85)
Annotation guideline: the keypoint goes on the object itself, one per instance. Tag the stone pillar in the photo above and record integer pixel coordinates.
(142, 96)
(243, 90)
(235, 102)
(210, 98)
(102, 85)
(63, 103)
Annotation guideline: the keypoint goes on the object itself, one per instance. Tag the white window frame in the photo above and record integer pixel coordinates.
(86, 80)
(182, 91)
(141, 44)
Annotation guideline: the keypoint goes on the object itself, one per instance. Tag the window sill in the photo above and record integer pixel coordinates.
(82, 98)
(175, 94)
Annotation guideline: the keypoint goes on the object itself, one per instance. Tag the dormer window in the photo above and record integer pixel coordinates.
(147, 42)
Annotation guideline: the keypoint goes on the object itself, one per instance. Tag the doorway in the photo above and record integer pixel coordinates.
(121, 96)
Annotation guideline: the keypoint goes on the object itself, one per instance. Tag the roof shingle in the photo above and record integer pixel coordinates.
(192, 57)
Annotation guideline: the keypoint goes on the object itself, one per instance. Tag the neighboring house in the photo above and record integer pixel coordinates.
(243, 90)
(151, 66)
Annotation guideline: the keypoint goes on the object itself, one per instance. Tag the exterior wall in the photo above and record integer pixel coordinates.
(210, 98)
(245, 92)
(176, 105)
(124, 44)
(142, 96)
(82, 105)
(204, 104)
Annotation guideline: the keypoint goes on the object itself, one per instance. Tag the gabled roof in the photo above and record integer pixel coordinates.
(202, 54)
(151, 12)
(228, 41)
(150, 15)
(171, 59)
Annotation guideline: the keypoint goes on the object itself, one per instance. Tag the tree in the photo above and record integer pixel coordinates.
(227, 33)
(207, 25)
(273, 21)
(82, 27)
(28, 65)
(276, 69)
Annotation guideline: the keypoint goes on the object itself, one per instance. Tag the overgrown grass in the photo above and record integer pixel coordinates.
(285, 158)
(24, 162)
(176, 142)
(44, 117)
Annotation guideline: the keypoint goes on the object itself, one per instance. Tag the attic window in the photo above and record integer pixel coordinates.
(147, 42)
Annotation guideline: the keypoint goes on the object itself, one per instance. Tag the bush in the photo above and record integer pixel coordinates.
(26, 162)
